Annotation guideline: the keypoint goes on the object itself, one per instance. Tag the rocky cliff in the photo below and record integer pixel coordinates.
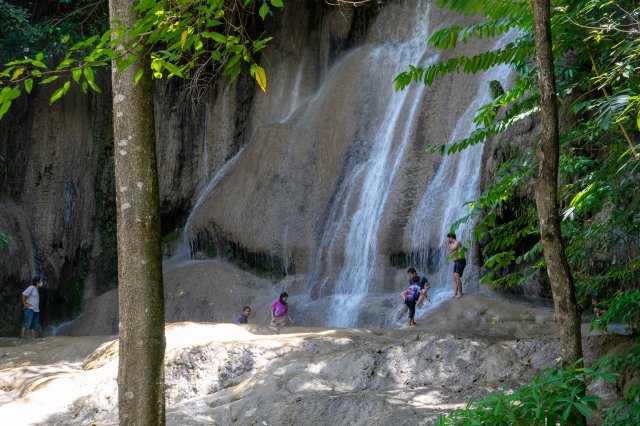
(319, 186)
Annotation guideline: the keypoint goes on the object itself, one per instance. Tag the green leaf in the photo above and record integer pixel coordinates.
(583, 410)
(277, 3)
(138, 75)
(4, 107)
(76, 74)
(88, 74)
(28, 85)
(94, 86)
(216, 37)
(56, 95)
(17, 73)
(50, 79)
(264, 9)
(172, 68)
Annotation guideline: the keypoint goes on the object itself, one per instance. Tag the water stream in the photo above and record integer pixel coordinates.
(368, 185)
(347, 254)
(443, 202)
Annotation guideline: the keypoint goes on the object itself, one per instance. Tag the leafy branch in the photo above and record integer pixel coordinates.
(181, 37)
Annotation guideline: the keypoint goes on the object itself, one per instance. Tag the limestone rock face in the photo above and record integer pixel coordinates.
(320, 186)
(56, 176)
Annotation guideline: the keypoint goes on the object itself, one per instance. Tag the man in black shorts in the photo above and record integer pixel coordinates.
(459, 262)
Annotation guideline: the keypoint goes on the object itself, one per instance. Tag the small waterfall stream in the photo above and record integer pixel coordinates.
(182, 256)
(368, 185)
(443, 202)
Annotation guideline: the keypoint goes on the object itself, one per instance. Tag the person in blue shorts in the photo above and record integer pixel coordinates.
(31, 303)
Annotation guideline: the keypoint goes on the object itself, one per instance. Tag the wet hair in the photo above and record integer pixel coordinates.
(451, 235)
(411, 271)
(416, 279)
(35, 281)
(282, 296)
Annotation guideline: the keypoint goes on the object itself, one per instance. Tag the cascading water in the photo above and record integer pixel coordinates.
(368, 185)
(443, 202)
(182, 255)
(285, 173)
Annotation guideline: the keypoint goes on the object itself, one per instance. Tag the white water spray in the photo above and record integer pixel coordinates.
(368, 184)
(455, 183)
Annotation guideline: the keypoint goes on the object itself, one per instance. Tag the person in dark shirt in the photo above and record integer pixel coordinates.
(243, 318)
(410, 297)
(423, 283)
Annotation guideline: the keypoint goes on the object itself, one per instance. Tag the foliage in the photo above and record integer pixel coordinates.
(596, 51)
(623, 309)
(626, 411)
(556, 396)
(185, 39)
(31, 27)
(4, 240)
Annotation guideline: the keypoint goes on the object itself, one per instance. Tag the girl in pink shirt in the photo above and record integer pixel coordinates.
(280, 311)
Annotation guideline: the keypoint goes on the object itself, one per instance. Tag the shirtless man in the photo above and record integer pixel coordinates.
(454, 248)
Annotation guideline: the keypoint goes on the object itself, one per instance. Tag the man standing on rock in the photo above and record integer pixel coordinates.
(455, 249)
(31, 303)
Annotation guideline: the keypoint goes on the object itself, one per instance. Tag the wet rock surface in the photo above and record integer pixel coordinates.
(230, 374)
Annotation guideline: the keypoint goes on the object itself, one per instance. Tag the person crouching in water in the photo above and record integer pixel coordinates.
(280, 311)
(410, 297)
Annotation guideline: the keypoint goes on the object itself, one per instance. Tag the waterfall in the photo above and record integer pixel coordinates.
(368, 184)
(340, 211)
(443, 202)
(182, 255)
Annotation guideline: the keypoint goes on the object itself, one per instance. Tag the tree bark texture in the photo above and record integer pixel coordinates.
(546, 189)
(141, 328)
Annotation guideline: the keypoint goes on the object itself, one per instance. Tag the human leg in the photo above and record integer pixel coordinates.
(35, 325)
(412, 312)
(458, 269)
(457, 283)
(26, 324)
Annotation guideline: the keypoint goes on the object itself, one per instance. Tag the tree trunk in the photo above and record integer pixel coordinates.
(142, 341)
(546, 188)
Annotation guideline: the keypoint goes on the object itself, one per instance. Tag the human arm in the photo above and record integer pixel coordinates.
(453, 246)
(426, 283)
(24, 297)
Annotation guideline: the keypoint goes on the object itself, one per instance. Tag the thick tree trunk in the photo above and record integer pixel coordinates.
(142, 341)
(546, 188)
